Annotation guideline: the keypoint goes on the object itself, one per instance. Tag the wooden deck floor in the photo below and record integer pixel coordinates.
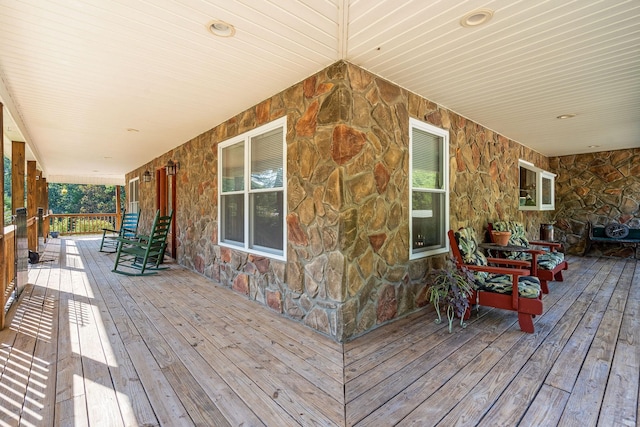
(89, 347)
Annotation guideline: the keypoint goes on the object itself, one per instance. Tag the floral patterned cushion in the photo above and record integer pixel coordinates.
(547, 261)
(468, 245)
(528, 286)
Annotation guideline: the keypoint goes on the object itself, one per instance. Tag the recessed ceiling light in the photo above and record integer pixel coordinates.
(565, 116)
(477, 17)
(593, 146)
(221, 28)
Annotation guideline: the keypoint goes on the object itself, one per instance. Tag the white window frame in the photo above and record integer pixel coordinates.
(444, 223)
(133, 190)
(540, 176)
(246, 139)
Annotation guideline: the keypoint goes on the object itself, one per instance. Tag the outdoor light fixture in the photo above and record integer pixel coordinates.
(146, 176)
(172, 167)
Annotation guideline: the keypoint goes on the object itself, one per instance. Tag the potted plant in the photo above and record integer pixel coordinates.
(500, 237)
(450, 289)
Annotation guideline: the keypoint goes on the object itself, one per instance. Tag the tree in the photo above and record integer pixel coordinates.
(80, 198)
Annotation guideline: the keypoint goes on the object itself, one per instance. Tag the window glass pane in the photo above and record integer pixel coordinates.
(233, 218)
(426, 216)
(233, 168)
(426, 161)
(546, 191)
(267, 219)
(527, 187)
(134, 195)
(266, 160)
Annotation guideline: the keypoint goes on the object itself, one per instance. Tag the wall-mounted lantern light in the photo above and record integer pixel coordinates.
(146, 176)
(172, 167)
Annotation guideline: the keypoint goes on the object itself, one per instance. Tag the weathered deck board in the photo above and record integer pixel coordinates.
(565, 315)
(132, 400)
(89, 347)
(466, 396)
(589, 388)
(277, 378)
(620, 404)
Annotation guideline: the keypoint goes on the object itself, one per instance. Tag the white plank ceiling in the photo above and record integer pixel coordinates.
(98, 87)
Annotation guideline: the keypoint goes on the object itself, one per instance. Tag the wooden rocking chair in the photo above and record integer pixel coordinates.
(143, 255)
(500, 287)
(128, 229)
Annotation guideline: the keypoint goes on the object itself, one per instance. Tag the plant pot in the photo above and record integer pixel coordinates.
(500, 237)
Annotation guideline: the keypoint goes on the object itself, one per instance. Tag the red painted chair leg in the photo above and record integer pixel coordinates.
(526, 322)
(543, 286)
(558, 276)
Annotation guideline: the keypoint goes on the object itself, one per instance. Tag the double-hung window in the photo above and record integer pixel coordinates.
(429, 189)
(134, 195)
(252, 197)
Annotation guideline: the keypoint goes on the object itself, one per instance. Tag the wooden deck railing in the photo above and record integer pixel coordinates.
(7, 269)
(8, 241)
(81, 223)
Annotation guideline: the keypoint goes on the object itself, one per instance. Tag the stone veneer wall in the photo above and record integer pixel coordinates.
(599, 187)
(347, 139)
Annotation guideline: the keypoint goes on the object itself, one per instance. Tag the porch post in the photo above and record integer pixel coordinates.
(3, 266)
(45, 205)
(40, 184)
(17, 175)
(46, 195)
(118, 209)
(31, 205)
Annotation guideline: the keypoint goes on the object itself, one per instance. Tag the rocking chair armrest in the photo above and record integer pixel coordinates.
(109, 229)
(507, 261)
(128, 241)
